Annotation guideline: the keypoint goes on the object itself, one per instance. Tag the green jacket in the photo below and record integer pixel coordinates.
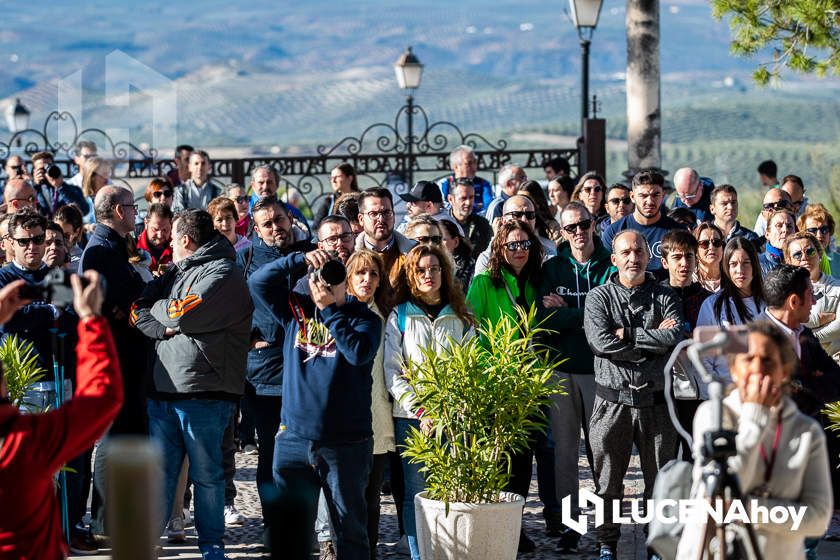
(492, 302)
(564, 276)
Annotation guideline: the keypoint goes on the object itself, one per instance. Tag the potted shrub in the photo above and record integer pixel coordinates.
(20, 369)
(484, 397)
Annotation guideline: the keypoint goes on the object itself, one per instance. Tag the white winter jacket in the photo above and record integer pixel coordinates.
(407, 332)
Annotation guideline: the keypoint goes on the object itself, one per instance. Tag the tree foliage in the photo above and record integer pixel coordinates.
(803, 35)
(20, 367)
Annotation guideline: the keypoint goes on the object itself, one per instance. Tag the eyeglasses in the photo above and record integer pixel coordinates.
(518, 245)
(617, 201)
(822, 230)
(429, 239)
(467, 181)
(336, 239)
(527, 214)
(780, 205)
(159, 194)
(134, 206)
(595, 189)
(241, 199)
(806, 254)
(35, 240)
(433, 270)
(704, 244)
(374, 215)
(583, 225)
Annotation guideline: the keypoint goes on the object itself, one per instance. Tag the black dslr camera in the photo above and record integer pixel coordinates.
(331, 272)
(55, 288)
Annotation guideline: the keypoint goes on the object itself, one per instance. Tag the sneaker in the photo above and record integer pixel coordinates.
(606, 553)
(326, 551)
(188, 520)
(568, 543)
(175, 532)
(83, 544)
(250, 449)
(233, 517)
(525, 543)
(213, 552)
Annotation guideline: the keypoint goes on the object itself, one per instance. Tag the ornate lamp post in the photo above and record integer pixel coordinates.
(17, 119)
(409, 72)
(585, 17)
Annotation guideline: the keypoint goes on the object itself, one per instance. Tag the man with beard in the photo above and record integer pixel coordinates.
(376, 215)
(273, 238)
(647, 218)
(156, 237)
(56, 255)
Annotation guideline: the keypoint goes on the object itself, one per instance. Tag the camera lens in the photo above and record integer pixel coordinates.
(332, 273)
(54, 171)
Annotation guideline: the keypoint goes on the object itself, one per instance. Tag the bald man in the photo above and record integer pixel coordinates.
(18, 194)
(517, 207)
(630, 355)
(693, 192)
(15, 168)
(774, 199)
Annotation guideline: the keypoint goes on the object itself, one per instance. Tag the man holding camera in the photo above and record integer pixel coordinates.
(33, 447)
(199, 315)
(324, 440)
(51, 190)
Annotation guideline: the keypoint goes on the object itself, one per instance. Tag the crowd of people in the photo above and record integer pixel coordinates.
(230, 336)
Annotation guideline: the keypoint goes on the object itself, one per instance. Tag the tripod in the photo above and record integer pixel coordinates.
(720, 482)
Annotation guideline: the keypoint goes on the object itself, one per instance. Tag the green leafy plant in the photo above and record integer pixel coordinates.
(20, 367)
(485, 397)
(832, 412)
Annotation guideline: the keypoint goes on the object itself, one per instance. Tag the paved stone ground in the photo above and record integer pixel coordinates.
(245, 541)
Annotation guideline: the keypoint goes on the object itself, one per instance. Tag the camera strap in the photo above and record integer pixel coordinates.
(769, 462)
(298, 314)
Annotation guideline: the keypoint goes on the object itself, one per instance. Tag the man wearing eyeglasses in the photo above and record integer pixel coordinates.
(580, 266)
(724, 207)
(693, 192)
(647, 217)
(19, 194)
(376, 215)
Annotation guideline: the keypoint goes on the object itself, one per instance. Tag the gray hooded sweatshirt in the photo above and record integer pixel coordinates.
(636, 360)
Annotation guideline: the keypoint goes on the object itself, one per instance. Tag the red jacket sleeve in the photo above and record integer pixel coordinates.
(54, 438)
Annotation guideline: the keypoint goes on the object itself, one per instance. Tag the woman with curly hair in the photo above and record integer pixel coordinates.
(509, 284)
(431, 312)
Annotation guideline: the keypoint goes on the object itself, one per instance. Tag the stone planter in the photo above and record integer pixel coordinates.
(469, 531)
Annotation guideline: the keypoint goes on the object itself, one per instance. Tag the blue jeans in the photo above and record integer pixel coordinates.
(414, 484)
(195, 428)
(302, 468)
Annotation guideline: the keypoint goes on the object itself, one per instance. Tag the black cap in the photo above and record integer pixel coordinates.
(424, 191)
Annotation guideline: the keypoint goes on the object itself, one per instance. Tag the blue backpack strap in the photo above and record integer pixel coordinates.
(401, 317)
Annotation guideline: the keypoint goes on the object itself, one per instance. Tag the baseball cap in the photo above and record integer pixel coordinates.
(423, 191)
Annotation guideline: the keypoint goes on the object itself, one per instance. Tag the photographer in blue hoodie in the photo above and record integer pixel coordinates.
(325, 436)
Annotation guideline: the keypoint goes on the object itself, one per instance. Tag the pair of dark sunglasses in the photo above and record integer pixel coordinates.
(801, 255)
(35, 240)
(713, 242)
(583, 225)
(518, 245)
(429, 239)
(780, 205)
(164, 194)
(526, 214)
(824, 230)
(617, 201)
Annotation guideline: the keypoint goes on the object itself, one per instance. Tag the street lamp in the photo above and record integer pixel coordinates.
(17, 118)
(585, 17)
(409, 73)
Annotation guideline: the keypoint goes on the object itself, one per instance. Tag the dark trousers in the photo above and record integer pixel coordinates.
(266, 414)
(78, 487)
(377, 472)
(229, 460)
(395, 476)
(302, 468)
(247, 425)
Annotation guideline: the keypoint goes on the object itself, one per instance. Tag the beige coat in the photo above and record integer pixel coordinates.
(800, 475)
(380, 405)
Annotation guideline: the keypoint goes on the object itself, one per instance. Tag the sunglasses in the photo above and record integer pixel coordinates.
(35, 240)
(718, 243)
(780, 205)
(518, 245)
(823, 230)
(595, 189)
(429, 239)
(807, 253)
(582, 225)
(241, 199)
(617, 201)
(164, 194)
(527, 214)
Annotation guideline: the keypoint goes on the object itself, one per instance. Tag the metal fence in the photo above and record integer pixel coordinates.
(383, 155)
